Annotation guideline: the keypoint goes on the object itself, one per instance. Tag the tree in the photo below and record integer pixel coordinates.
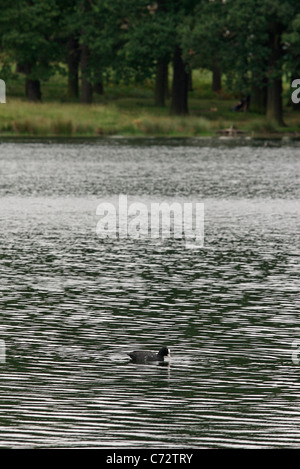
(150, 40)
(73, 60)
(179, 101)
(261, 36)
(180, 10)
(153, 40)
(102, 40)
(203, 36)
(245, 38)
(68, 38)
(29, 28)
(161, 81)
(291, 39)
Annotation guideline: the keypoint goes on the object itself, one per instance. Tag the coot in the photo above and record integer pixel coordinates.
(143, 356)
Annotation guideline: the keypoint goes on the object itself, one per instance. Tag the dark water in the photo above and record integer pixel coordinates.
(73, 304)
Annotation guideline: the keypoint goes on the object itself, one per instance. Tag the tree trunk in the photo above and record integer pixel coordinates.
(258, 100)
(216, 78)
(179, 101)
(32, 86)
(167, 88)
(98, 87)
(33, 90)
(274, 110)
(73, 66)
(86, 86)
(190, 80)
(274, 102)
(161, 82)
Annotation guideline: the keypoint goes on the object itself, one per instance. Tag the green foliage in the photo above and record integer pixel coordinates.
(249, 40)
(203, 34)
(238, 35)
(291, 39)
(28, 35)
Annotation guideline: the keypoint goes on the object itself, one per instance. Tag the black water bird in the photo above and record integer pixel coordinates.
(144, 356)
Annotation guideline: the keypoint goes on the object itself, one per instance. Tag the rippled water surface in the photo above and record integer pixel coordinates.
(72, 304)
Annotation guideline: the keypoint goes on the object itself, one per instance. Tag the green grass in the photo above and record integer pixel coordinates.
(129, 110)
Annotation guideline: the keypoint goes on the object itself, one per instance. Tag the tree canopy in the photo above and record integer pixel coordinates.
(252, 43)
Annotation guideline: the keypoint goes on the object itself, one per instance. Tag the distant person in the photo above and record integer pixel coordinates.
(242, 105)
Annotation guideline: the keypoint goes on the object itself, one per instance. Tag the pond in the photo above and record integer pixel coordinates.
(73, 304)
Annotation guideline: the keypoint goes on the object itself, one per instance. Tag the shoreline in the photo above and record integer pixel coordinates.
(130, 118)
(264, 140)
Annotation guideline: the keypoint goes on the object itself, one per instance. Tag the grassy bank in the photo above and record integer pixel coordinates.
(129, 111)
